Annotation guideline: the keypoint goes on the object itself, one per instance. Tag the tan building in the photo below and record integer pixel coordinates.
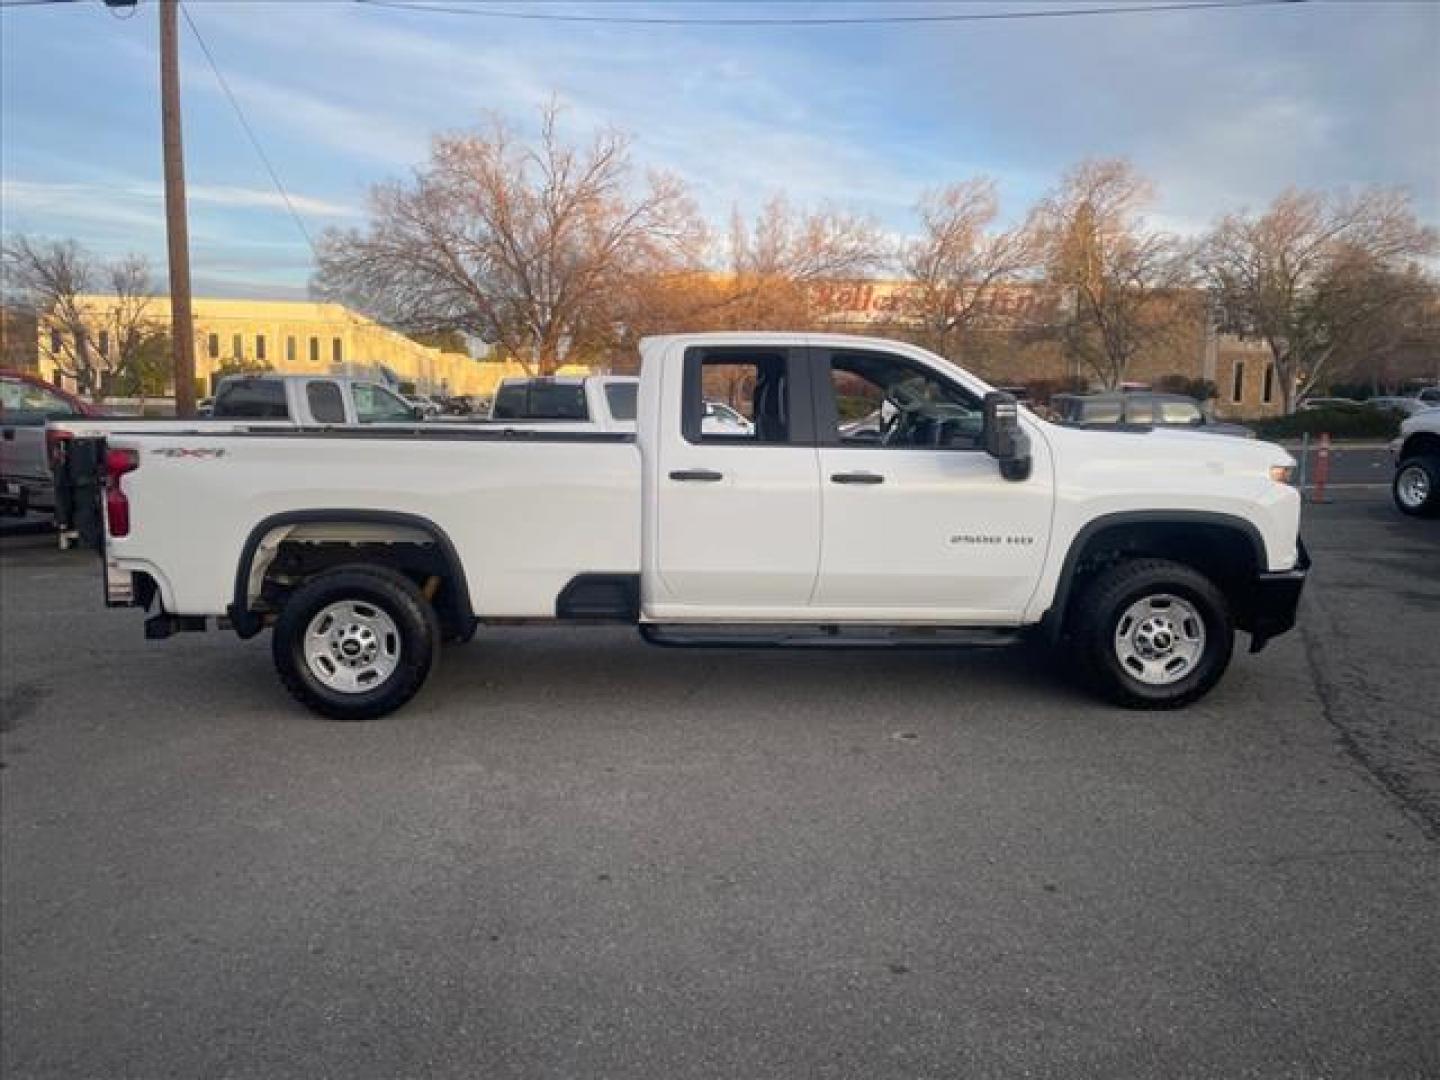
(294, 337)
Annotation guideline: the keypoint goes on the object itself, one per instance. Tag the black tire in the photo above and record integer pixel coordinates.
(416, 624)
(1428, 466)
(1097, 614)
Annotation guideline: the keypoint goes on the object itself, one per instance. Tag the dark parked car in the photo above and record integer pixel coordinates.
(1140, 409)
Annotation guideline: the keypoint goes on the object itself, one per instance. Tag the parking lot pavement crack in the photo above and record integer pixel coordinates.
(1377, 758)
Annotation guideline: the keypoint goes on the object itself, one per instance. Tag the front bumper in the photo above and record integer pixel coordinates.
(1272, 600)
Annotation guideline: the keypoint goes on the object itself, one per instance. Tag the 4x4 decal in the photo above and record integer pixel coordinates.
(204, 453)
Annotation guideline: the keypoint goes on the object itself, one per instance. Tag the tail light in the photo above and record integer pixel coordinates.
(118, 461)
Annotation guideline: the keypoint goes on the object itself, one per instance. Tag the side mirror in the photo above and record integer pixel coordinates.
(1004, 439)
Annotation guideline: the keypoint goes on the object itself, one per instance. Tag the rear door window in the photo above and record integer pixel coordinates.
(251, 399)
(621, 397)
(327, 404)
(758, 386)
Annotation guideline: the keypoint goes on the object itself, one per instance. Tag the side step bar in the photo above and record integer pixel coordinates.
(826, 636)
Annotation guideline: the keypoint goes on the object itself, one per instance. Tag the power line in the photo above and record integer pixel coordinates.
(30, 3)
(250, 132)
(827, 20)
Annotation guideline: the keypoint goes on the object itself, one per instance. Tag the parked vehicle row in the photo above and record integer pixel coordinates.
(968, 521)
(1142, 408)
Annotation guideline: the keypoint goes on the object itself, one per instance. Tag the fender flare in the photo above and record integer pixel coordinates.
(1054, 617)
(248, 623)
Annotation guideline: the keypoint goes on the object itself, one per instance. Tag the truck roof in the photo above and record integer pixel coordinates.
(771, 337)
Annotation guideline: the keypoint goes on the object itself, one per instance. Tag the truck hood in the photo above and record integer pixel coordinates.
(1143, 447)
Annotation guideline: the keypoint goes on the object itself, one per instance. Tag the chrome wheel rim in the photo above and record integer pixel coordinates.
(1413, 487)
(352, 647)
(1160, 639)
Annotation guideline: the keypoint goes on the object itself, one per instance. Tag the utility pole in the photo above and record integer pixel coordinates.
(177, 231)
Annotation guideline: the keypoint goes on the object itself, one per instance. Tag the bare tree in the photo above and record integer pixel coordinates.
(780, 259)
(1128, 280)
(959, 260)
(100, 318)
(1315, 274)
(521, 244)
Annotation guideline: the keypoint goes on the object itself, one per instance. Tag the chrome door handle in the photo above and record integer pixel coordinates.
(856, 478)
(707, 476)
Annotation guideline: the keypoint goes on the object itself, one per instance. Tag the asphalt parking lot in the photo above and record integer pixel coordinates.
(577, 856)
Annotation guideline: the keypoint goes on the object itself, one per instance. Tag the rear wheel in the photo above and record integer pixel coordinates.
(356, 642)
(1152, 634)
(1417, 486)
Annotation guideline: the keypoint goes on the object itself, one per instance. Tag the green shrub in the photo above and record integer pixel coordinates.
(1338, 423)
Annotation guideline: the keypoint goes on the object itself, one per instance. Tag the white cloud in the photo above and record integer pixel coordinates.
(305, 205)
(142, 202)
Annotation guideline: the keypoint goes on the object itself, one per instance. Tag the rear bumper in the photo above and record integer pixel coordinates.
(1272, 600)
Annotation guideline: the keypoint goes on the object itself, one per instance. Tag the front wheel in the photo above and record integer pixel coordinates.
(1152, 634)
(1416, 487)
(356, 642)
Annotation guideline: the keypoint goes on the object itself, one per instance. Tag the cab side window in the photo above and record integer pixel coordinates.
(1180, 412)
(885, 400)
(376, 405)
(1140, 410)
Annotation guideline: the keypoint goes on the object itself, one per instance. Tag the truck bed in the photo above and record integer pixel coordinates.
(536, 505)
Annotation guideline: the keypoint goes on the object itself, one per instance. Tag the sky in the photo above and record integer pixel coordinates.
(1222, 109)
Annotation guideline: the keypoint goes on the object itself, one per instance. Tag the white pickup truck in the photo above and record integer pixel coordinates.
(963, 521)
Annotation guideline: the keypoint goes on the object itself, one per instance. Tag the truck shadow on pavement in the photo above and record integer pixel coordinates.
(535, 672)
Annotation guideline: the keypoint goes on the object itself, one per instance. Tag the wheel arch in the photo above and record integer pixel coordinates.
(1421, 442)
(382, 525)
(1226, 548)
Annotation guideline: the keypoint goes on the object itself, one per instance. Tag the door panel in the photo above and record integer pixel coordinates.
(918, 522)
(941, 532)
(738, 514)
(747, 539)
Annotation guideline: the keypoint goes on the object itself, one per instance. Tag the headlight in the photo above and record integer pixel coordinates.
(1282, 474)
